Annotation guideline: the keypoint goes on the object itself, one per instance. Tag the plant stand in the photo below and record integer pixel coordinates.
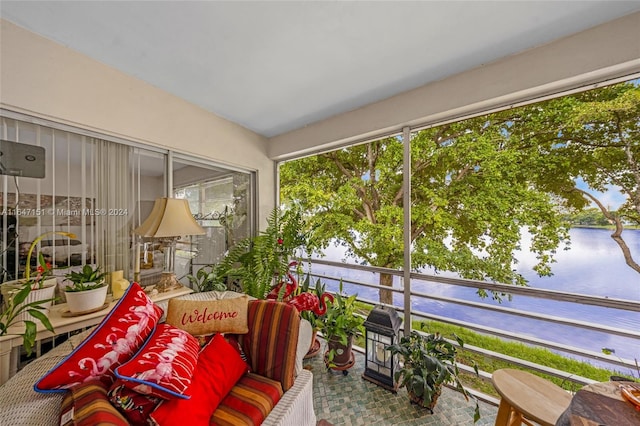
(341, 367)
(314, 349)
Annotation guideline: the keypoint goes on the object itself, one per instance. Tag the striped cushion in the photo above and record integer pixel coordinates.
(87, 404)
(272, 340)
(249, 402)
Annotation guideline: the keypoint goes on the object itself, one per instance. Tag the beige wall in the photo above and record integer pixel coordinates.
(41, 78)
(607, 51)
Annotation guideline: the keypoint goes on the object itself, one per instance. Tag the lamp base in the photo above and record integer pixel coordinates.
(168, 281)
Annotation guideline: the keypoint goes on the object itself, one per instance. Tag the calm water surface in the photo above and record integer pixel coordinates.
(593, 266)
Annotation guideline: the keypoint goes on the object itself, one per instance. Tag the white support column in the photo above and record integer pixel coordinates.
(406, 203)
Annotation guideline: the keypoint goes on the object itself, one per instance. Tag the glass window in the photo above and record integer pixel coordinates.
(101, 191)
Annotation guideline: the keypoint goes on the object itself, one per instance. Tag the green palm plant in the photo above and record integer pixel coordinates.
(87, 278)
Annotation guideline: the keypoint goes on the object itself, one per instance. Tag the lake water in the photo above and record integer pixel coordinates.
(593, 266)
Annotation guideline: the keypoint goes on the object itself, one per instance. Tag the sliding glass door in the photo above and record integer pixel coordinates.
(101, 190)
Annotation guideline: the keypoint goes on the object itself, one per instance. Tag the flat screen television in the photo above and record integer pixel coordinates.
(20, 159)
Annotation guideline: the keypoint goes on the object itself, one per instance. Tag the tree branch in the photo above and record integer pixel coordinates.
(617, 234)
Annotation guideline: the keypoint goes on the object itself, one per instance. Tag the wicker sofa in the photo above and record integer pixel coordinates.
(21, 405)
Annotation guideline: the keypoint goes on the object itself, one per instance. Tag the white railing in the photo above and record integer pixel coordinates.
(612, 361)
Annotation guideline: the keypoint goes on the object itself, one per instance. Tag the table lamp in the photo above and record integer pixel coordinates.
(170, 219)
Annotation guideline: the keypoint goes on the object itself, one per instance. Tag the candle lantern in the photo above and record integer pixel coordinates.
(381, 330)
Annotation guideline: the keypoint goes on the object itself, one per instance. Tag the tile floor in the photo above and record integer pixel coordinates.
(350, 400)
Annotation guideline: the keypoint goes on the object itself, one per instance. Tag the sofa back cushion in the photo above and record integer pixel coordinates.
(272, 340)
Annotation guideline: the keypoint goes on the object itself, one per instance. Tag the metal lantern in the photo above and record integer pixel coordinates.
(381, 330)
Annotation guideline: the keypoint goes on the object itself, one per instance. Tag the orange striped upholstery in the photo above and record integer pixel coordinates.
(87, 404)
(249, 402)
(272, 340)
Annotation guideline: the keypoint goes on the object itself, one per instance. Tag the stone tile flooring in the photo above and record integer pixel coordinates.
(350, 400)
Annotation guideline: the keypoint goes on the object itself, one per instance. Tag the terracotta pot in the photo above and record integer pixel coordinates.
(314, 348)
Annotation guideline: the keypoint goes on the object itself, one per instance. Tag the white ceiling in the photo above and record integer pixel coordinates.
(277, 66)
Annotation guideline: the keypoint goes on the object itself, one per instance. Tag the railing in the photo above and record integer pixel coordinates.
(484, 305)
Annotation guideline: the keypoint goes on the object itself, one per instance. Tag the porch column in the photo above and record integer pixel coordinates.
(406, 202)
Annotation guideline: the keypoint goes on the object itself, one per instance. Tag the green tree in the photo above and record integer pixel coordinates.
(475, 185)
(599, 131)
(588, 217)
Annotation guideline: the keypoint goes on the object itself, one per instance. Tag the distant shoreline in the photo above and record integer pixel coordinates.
(610, 227)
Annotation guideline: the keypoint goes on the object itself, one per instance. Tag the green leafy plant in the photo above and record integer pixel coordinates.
(255, 264)
(428, 361)
(15, 306)
(87, 278)
(43, 270)
(341, 323)
(207, 278)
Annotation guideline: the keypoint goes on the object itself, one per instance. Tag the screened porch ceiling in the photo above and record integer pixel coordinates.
(274, 67)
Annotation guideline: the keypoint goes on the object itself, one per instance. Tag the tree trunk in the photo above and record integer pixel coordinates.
(386, 296)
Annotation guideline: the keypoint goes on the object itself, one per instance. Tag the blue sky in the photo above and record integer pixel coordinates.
(613, 198)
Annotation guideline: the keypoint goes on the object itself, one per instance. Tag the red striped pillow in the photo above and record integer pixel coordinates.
(249, 402)
(272, 341)
(87, 404)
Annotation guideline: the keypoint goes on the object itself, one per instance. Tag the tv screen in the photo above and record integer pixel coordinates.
(20, 159)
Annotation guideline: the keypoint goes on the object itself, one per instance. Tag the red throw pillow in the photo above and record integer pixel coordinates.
(219, 368)
(120, 334)
(164, 366)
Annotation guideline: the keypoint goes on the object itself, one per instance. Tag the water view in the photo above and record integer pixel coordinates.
(593, 266)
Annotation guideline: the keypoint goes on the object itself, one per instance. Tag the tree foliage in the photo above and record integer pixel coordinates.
(476, 185)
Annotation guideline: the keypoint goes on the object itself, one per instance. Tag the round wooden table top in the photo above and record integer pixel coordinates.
(600, 404)
(536, 398)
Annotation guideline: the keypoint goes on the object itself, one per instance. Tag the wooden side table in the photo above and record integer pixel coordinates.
(527, 396)
(600, 404)
(10, 344)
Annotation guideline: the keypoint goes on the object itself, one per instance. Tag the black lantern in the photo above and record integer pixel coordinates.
(381, 330)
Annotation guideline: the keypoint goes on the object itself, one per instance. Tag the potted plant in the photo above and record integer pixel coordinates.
(339, 325)
(207, 278)
(428, 362)
(16, 305)
(42, 284)
(88, 291)
(42, 287)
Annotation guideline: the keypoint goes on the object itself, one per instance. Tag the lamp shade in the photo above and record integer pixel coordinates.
(170, 217)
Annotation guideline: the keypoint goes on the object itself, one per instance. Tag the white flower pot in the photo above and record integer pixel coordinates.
(47, 291)
(88, 300)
